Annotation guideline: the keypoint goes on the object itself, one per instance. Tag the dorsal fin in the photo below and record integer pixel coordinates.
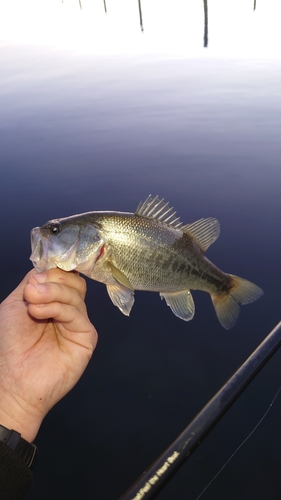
(158, 209)
(204, 231)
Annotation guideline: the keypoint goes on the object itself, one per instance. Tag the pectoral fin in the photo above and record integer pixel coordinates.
(119, 276)
(181, 304)
(121, 297)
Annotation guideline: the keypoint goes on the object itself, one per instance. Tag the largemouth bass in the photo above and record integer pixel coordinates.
(148, 250)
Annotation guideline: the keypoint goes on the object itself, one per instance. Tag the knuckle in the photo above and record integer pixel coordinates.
(83, 286)
(55, 274)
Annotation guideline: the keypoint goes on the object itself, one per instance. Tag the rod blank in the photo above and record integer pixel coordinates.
(166, 465)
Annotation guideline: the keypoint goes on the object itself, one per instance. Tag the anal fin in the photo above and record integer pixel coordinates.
(181, 304)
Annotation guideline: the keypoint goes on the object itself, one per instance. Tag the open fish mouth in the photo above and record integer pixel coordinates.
(46, 255)
(39, 249)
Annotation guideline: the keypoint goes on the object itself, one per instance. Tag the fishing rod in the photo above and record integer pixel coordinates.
(167, 464)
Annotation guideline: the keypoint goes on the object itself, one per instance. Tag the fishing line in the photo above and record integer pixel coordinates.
(240, 445)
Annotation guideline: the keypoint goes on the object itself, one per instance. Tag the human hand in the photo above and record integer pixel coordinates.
(46, 342)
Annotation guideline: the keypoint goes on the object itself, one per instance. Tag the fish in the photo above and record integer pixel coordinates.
(148, 250)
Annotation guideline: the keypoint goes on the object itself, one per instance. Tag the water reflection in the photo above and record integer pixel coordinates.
(237, 28)
(205, 3)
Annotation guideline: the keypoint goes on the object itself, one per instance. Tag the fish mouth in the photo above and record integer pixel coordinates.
(43, 256)
(39, 251)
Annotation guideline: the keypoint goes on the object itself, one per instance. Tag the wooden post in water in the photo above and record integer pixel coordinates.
(141, 23)
(205, 23)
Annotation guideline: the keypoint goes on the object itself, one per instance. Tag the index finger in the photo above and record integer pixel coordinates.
(68, 278)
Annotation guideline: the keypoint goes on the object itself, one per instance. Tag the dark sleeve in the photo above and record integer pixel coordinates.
(15, 477)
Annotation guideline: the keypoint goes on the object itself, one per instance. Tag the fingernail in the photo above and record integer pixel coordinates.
(40, 288)
(40, 278)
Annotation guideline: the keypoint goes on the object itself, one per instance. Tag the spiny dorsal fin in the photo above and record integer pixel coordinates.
(158, 209)
(204, 231)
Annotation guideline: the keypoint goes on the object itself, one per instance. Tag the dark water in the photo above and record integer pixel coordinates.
(101, 126)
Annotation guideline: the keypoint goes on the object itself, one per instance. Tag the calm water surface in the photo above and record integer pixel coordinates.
(98, 111)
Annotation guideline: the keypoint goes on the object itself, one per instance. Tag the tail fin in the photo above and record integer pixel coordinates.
(227, 304)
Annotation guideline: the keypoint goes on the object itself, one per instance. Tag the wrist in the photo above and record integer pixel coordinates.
(14, 416)
(21, 448)
(27, 431)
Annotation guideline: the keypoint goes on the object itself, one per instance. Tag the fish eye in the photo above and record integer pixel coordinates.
(54, 228)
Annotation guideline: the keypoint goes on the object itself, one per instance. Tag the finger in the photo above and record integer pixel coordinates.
(46, 293)
(64, 313)
(71, 323)
(70, 279)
